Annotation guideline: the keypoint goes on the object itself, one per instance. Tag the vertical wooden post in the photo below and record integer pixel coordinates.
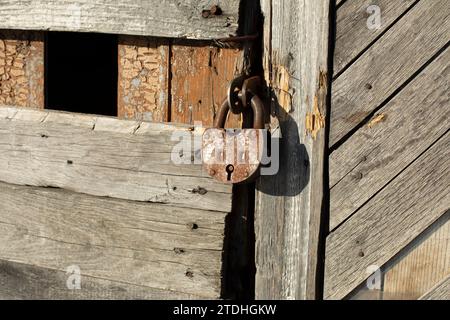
(289, 204)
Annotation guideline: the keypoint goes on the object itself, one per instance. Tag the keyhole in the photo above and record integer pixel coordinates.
(229, 169)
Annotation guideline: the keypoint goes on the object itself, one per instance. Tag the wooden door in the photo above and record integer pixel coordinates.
(95, 206)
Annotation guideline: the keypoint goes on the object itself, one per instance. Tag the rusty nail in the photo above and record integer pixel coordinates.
(189, 273)
(200, 190)
(216, 10)
(206, 13)
(178, 250)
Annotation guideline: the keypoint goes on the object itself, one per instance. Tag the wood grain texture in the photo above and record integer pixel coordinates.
(22, 68)
(200, 77)
(421, 268)
(105, 157)
(389, 221)
(440, 292)
(377, 152)
(160, 18)
(390, 62)
(153, 245)
(352, 32)
(289, 204)
(143, 78)
(20, 281)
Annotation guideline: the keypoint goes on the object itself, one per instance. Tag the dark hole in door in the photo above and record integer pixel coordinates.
(81, 72)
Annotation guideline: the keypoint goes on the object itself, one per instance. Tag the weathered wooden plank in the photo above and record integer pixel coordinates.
(390, 62)
(400, 132)
(352, 32)
(200, 77)
(153, 245)
(440, 292)
(21, 281)
(22, 68)
(200, 74)
(143, 78)
(422, 267)
(419, 266)
(289, 204)
(389, 221)
(105, 157)
(161, 18)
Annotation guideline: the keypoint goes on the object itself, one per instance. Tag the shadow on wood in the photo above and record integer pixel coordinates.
(293, 159)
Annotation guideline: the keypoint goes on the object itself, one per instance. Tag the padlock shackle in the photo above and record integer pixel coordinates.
(222, 114)
(257, 108)
(258, 112)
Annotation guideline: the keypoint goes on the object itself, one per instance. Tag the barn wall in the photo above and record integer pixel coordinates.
(165, 234)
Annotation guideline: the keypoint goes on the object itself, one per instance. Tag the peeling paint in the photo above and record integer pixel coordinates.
(315, 120)
(281, 83)
(143, 78)
(22, 68)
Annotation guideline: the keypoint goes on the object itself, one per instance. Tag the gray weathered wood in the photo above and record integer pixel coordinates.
(289, 204)
(352, 33)
(152, 245)
(161, 18)
(440, 292)
(390, 62)
(20, 281)
(389, 221)
(422, 264)
(105, 157)
(375, 154)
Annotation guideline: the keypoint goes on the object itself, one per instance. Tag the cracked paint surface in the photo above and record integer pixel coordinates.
(22, 69)
(143, 78)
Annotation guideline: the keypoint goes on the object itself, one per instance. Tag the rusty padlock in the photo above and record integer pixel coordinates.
(234, 155)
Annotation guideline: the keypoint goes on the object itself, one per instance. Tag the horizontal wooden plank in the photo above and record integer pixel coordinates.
(390, 62)
(422, 266)
(400, 132)
(160, 18)
(352, 33)
(440, 292)
(153, 245)
(105, 157)
(27, 282)
(389, 221)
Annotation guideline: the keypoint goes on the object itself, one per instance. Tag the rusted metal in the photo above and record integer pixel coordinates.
(234, 155)
(206, 13)
(216, 10)
(250, 87)
(234, 99)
